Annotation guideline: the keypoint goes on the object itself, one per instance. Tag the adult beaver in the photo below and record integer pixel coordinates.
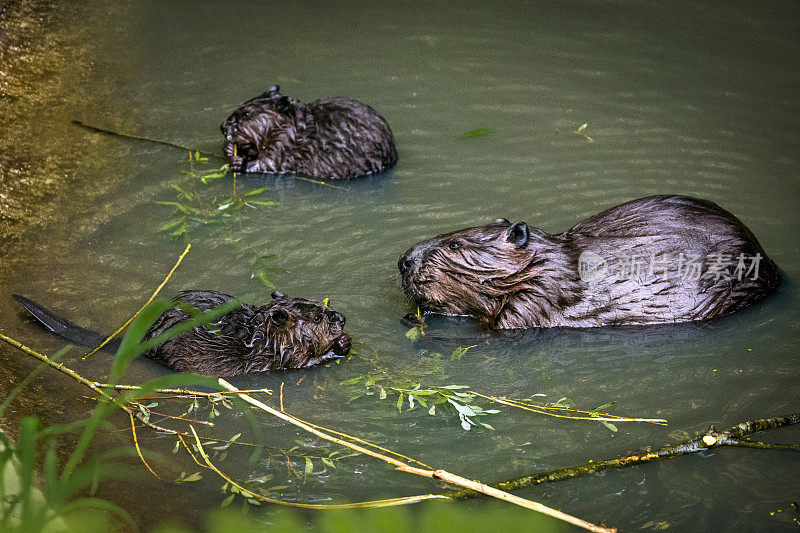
(336, 138)
(653, 260)
(283, 334)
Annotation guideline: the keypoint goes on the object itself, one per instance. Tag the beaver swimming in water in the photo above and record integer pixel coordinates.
(335, 138)
(284, 334)
(653, 260)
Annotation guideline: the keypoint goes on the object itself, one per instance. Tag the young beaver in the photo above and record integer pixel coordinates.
(286, 333)
(336, 138)
(653, 260)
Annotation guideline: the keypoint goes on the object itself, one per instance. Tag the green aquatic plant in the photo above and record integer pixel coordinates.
(476, 133)
(409, 389)
(198, 203)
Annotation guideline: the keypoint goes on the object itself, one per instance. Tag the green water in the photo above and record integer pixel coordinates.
(693, 98)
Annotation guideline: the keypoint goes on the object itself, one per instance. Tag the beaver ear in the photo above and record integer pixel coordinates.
(502, 221)
(278, 294)
(274, 89)
(518, 234)
(283, 104)
(279, 317)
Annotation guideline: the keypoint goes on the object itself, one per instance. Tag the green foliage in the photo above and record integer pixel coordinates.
(54, 504)
(409, 392)
(476, 133)
(426, 518)
(196, 203)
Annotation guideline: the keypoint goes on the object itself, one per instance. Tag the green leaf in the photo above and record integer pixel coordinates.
(476, 132)
(252, 192)
(609, 425)
(194, 477)
(382, 393)
(262, 202)
(172, 224)
(400, 402)
(432, 410)
(414, 333)
(227, 501)
(309, 466)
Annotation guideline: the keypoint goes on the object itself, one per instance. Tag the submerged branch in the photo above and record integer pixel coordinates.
(730, 437)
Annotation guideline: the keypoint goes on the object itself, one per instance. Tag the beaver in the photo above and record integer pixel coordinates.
(286, 333)
(335, 138)
(653, 260)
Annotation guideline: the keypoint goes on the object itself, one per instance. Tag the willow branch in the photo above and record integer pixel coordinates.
(434, 474)
(591, 414)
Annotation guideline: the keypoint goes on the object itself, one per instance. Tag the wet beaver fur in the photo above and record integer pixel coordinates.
(286, 333)
(512, 276)
(335, 138)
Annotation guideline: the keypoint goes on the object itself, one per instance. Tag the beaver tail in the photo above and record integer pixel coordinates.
(64, 328)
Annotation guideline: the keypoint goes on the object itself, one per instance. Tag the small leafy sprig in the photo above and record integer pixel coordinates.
(190, 206)
(448, 397)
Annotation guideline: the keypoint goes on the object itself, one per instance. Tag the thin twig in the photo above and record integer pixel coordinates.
(362, 441)
(136, 444)
(153, 297)
(183, 393)
(190, 420)
(543, 410)
(181, 147)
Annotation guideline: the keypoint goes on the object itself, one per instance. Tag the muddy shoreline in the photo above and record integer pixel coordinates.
(37, 162)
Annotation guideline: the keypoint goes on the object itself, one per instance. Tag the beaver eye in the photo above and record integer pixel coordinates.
(455, 245)
(317, 319)
(247, 114)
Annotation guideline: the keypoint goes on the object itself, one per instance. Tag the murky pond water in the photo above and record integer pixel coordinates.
(694, 98)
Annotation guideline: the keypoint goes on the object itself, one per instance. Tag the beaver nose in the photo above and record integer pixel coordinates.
(338, 318)
(404, 264)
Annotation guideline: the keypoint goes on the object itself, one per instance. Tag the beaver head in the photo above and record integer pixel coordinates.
(302, 333)
(259, 123)
(491, 272)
